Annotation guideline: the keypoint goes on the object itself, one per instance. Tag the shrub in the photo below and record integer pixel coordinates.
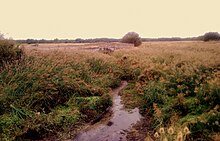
(211, 36)
(132, 37)
(9, 52)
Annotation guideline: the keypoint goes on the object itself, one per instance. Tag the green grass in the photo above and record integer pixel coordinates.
(182, 96)
(42, 95)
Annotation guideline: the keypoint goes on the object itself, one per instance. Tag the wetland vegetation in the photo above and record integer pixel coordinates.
(54, 93)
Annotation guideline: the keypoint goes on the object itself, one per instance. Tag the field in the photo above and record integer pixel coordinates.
(57, 89)
(79, 46)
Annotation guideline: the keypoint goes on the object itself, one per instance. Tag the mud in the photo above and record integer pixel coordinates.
(140, 130)
(114, 128)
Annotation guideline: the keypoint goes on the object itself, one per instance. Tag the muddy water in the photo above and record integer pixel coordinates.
(114, 129)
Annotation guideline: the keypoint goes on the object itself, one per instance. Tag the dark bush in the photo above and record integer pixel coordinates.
(9, 52)
(132, 37)
(211, 36)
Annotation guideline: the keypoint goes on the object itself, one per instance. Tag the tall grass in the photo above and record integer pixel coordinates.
(185, 98)
(51, 92)
(41, 96)
(178, 87)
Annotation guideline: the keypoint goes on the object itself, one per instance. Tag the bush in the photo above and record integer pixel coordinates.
(211, 36)
(9, 52)
(132, 37)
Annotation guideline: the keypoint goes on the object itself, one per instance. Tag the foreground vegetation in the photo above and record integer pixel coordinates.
(180, 89)
(51, 93)
(56, 92)
(183, 96)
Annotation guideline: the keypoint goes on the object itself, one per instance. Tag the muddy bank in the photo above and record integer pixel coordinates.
(115, 127)
(140, 130)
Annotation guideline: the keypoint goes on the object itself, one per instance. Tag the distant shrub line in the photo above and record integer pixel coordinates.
(130, 37)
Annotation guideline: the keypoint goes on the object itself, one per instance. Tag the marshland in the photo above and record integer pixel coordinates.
(56, 93)
(119, 70)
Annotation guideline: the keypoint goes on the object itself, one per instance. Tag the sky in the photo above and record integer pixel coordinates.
(70, 19)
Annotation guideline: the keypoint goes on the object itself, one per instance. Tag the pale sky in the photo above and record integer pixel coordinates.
(50, 19)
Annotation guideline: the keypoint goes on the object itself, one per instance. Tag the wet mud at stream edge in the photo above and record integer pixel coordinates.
(117, 125)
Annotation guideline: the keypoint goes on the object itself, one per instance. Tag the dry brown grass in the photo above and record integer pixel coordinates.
(65, 54)
(197, 53)
(78, 46)
(194, 52)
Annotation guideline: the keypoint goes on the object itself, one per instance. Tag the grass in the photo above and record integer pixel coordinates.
(187, 97)
(45, 95)
(54, 92)
(178, 86)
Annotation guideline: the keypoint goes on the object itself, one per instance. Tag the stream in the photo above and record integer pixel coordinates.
(116, 126)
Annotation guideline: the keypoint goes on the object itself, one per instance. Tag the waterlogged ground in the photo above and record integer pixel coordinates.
(115, 128)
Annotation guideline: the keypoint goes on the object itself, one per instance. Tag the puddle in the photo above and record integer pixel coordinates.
(114, 129)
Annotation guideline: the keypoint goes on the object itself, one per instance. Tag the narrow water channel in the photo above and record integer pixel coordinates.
(114, 129)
